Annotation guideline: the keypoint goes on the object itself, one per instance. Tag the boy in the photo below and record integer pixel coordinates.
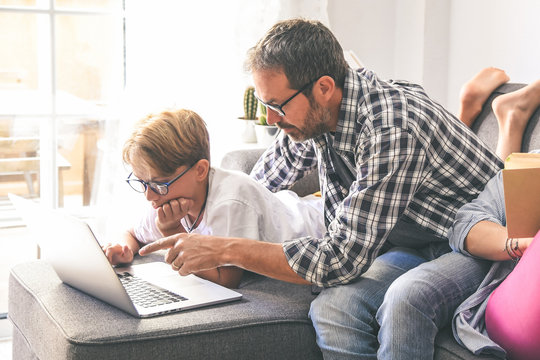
(169, 154)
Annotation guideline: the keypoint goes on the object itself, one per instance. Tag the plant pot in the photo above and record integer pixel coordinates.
(246, 130)
(266, 134)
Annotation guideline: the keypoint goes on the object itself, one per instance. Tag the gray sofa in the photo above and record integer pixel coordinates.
(54, 321)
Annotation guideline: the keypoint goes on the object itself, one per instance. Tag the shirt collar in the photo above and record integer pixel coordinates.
(349, 121)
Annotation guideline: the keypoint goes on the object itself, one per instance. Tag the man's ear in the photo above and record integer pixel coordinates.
(202, 167)
(324, 88)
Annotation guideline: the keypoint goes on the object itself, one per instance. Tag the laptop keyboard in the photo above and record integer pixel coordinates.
(144, 294)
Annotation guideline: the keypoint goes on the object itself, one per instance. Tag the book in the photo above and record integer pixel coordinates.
(521, 181)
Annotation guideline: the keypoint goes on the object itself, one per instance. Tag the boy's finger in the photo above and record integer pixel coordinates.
(160, 213)
(175, 205)
(185, 204)
(109, 254)
(167, 211)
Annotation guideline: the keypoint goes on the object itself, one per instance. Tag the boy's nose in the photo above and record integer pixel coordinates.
(150, 194)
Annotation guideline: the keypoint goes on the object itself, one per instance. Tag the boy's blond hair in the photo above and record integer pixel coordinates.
(168, 140)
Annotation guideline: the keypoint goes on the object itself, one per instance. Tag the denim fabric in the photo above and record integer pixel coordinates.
(391, 312)
(422, 301)
(344, 316)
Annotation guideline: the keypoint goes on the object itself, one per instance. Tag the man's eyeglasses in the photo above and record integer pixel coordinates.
(279, 108)
(158, 187)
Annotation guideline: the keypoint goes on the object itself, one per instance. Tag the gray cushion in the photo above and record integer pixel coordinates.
(244, 160)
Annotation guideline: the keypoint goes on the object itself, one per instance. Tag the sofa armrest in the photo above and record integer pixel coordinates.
(244, 160)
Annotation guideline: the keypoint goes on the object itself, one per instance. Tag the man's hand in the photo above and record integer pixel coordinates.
(189, 253)
(118, 254)
(169, 215)
(192, 253)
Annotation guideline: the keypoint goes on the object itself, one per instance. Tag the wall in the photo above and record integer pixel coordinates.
(368, 28)
(441, 43)
(500, 33)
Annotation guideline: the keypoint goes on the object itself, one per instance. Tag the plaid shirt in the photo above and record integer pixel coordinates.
(415, 162)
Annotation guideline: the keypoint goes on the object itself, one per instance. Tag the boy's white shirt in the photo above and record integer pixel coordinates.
(238, 206)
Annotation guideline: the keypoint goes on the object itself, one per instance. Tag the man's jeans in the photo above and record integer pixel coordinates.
(391, 311)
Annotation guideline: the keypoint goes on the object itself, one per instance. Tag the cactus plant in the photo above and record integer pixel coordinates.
(265, 133)
(250, 104)
(262, 116)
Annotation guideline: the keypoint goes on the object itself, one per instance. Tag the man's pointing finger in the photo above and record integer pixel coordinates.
(164, 243)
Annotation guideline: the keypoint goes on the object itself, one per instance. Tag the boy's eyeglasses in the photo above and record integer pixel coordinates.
(158, 187)
(279, 108)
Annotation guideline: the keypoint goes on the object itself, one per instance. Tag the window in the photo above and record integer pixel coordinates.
(61, 73)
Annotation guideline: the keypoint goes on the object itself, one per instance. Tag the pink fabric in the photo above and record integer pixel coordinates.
(513, 309)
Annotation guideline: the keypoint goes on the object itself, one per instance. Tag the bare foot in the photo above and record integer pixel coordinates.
(513, 111)
(475, 92)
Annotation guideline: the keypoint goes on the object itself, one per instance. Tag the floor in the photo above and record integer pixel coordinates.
(26, 250)
(16, 247)
(5, 343)
(5, 349)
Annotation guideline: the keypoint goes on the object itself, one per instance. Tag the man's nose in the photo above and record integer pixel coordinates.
(272, 117)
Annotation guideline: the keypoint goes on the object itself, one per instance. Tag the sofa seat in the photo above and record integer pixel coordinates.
(51, 320)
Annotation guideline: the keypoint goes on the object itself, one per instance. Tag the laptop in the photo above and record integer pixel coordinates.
(142, 290)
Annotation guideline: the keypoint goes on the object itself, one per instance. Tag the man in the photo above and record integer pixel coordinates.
(394, 167)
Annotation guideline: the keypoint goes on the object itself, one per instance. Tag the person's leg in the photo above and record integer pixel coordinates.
(475, 92)
(513, 111)
(422, 301)
(344, 316)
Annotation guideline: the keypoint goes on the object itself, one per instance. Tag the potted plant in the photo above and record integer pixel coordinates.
(247, 131)
(265, 133)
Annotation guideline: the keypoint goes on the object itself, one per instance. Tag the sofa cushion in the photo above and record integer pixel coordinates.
(54, 321)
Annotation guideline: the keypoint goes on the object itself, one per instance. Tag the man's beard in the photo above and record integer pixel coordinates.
(316, 123)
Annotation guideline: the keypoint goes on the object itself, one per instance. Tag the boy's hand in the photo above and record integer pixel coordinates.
(118, 254)
(169, 215)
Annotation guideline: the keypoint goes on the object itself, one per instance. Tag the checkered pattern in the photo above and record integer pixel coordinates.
(415, 162)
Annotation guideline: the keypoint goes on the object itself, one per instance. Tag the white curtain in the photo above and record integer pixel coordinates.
(186, 54)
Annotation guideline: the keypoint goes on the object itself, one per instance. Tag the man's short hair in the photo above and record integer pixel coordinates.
(167, 140)
(303, 49)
